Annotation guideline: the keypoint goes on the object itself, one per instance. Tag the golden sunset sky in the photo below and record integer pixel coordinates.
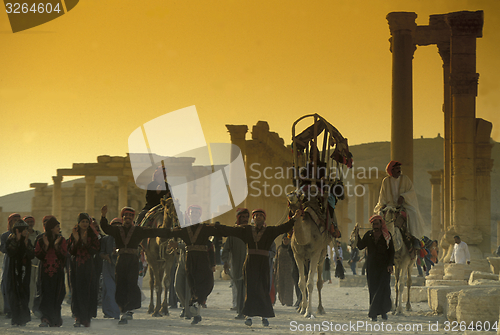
(76, 87)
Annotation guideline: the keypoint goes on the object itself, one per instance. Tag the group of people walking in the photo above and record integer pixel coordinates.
(53, 255)
(247, 248)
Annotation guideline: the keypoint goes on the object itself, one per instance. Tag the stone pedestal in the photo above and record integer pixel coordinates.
(436, 296)
(436, 272)
(457, 271)
(478, 278)
(450, 309)
(417, 294)
(478, 304)
(494, 264)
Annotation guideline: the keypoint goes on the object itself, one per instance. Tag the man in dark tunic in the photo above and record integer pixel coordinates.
(109, 255)
(51, 249)
(156, 190)
(259, 239)
(33, 233)
(20, 251)
(83, 244)
(13, 218)
(283, 272)
(380, 261)
(199, 270)
(236, 250)
(127, 239)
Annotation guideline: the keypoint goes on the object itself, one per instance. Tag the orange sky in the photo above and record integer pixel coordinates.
(76, 87)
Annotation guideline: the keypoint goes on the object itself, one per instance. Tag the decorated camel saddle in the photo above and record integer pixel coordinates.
(397, 223)
(318, 214)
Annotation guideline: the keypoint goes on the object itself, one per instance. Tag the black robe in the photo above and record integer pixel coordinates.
(20, 275)
(82, 277)
(53, 290)
(256, 268)
(380, 256)
(198, 263)
(128, 293)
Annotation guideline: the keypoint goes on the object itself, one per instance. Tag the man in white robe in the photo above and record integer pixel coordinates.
(460, 253)
(397, 189)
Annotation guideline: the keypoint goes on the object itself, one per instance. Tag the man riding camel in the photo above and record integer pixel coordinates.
(397, 191)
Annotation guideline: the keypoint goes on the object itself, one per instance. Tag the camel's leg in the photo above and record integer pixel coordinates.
(152, 289)
(396, 287)
(400, 288)
(166, 285)
(159, 289)
(319, 286)
(310, 283)
(408, 285)
(302, 284)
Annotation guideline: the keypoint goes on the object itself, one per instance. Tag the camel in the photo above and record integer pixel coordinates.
(309, 248)
(403, 261)
(160, 255)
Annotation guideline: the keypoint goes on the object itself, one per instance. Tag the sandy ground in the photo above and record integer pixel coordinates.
(345, 307)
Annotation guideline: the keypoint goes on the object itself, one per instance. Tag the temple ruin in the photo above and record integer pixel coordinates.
(467, 148)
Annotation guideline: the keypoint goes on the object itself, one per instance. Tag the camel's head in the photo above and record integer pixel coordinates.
(295, 197)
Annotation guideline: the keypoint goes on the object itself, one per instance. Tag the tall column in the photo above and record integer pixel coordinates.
(360, 209)
(342, 213)
(253, 169)
(465, 28)
(498, 233)
(89, 195)
(484, 165)
(372, 198)
(56, 197)
(123, 192)
(402, 26)
(436, 226)
(237, 134)
(444, 52)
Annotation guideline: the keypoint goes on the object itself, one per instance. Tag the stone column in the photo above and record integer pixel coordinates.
(498, 234)
(465, 28)
(402, 26)
(372, 198)
(436, 226)
(56, 197)
(89, 195)
(123, 192)
(360, 210)
(444, 52)
(237, 134)
(342, 214)
(254, 183)
(484, 165)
